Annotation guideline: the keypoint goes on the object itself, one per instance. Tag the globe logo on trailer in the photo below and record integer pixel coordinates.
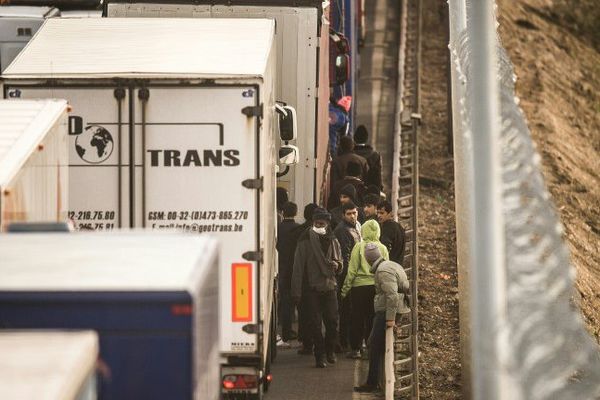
(94, 145)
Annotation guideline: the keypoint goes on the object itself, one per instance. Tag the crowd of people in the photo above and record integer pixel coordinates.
(341, 268)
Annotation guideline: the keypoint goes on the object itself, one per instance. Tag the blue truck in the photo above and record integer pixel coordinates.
(152, 298)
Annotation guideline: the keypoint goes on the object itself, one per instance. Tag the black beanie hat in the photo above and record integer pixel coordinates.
(321, 213)
(349, 190)
(361, 135)
(308, 211)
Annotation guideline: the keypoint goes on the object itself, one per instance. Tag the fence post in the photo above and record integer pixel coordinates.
(488, 274)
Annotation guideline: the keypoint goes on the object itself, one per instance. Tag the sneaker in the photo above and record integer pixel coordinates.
(283, 345)
(364, 354)
(331, 358)
(355, 354)
(320, 362)
(365, 388)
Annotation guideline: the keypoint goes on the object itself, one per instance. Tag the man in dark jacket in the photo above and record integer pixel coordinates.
(347, 194)
(370, 208)
(304, 335)
(347, 154)
(352, 178)
(318, 257)
(286, 247)
(361, 136)
(393, 235)
(281, 199)
(348, 234)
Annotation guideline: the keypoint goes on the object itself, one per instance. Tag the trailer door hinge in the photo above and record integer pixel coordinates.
(253, 183)
(253, 111)
(253, 256)
(252, 328)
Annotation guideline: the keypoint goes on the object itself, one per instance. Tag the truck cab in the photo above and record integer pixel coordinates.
(18, 24)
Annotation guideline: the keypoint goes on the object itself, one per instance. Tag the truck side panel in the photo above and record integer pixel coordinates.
(297, 38)
(195, 148)
(99, 188)
(138, 338)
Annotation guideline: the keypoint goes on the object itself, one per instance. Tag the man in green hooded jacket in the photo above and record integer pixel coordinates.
(360, 283)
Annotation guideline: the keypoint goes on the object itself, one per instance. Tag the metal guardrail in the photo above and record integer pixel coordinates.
(402, 354)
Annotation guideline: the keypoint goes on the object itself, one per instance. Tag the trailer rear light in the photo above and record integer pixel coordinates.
(181, 309)
(269, 377)
(240, 382)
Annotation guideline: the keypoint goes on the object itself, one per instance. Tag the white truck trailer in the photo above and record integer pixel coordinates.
(52, 365)
(33, 161)
(302, 41)
(17, 25)
(176, 128)
(151, 297)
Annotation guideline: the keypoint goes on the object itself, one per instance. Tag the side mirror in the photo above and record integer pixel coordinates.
(289, 155)
(342, 69)
(288, 127)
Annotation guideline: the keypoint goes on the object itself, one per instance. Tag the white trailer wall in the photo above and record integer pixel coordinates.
(33, 161)
(297, 44)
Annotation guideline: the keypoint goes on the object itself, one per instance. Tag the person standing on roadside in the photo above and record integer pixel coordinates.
(286, 247)
(348, 234)
(352, 178)
(282, 197)
(370, 208)
(393, 235)
(347, 154)
(347, 194)
(361, 136)
(390, 304)
(318, 256)
(359, 283)
(304, 335)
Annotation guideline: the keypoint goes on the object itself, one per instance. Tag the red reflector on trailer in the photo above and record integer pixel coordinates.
(240, 382)
(181, 309)
(269, 378)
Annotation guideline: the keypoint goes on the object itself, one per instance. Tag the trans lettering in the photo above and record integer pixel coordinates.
(194, 158)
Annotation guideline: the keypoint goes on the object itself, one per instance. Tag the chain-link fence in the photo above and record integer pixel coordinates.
(551, 356)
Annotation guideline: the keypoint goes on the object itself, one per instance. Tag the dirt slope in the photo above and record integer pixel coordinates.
(438, 284)
(558, 73)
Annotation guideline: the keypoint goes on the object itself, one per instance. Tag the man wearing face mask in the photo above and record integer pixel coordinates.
(318, 256)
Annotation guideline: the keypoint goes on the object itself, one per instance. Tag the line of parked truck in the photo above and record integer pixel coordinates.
(176, 115)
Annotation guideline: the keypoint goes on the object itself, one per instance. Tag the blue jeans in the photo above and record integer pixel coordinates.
(376, 348)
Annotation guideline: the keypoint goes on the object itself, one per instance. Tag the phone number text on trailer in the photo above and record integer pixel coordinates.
(196, 215)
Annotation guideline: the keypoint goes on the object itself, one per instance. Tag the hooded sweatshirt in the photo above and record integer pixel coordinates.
(359, 270)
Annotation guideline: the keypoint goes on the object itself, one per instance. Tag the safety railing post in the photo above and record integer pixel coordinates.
(389, 364)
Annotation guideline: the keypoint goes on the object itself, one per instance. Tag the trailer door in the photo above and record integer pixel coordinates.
(98, 152)
(196, 155)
